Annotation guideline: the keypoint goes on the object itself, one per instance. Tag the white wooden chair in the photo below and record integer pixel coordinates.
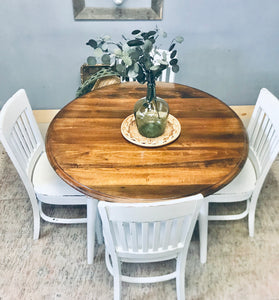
(149, 232)
(263, 133)
(167, 75)
(22, 140)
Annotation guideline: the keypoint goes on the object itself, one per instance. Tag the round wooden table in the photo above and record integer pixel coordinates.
(85, 146)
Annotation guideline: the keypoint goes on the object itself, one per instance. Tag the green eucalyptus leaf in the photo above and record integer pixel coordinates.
(155, 68)
(126, 48)
(141, 76)
(105, 47)
(173, 62)
(106, 38)
(145, 35)
(135, 32)
(127, 60)
(179, 39)
(106, 59)
(92, 43)
(136, 67)
(152, 40)
(135, 54)
(163, 62)
(98, 52)
(152, 32)
(120, 69)
(171, 47)
(117, 52)
(147, 62)
(175, 68)
(132, 73)
(135, 42)
(173, 54)
(91, 60)
(147, 46)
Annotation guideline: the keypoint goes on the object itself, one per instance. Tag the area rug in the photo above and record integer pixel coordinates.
(55, 266)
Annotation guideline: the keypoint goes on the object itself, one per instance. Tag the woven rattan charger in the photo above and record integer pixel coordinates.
(130, 132)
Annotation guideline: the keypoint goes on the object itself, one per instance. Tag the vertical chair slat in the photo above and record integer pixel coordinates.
(122, 235)
(256, 127)
(253, 124)
(259, 128)
(18, 145)
(272, 147)
(164, 75)
(266, 146)
(25, 135)
(133, 233)
(145, 237)
(261, 134)
(17, 151)
(21, 140)
(176, 236)
(29, 130)
(156, 236)
(265, 138)
(171, 76)
(168, 225)
(266, 151)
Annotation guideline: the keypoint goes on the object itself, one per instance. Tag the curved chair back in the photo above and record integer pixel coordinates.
(263, 132)
(20, 135)
(167, 75)
(149, 232)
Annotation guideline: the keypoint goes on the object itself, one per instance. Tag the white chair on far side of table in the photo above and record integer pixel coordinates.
(263, 133)
(22, 140)
(167, 74)
(149, 232)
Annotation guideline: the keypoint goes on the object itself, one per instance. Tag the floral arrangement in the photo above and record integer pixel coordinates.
(138, 57)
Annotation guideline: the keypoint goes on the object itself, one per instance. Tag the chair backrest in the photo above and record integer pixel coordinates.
(263, 132)
(167, 75)
(20, 135)
(149, 231)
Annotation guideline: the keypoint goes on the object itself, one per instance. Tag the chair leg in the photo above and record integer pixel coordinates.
(251, 223)
(91, 222)
(180, 277)
(116, 270)
(203, 231)
(116, 287)
(37, 221)
(252, 212)
(99, 229)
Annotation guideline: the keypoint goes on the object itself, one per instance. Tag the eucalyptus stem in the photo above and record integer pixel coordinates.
(151, 95)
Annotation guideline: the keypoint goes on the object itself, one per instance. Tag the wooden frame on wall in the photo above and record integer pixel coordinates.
(117, 12)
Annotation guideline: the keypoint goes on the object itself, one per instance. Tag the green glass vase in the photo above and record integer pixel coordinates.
(151, 113)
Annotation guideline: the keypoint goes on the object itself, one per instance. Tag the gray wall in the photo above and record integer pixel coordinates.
(230, 48)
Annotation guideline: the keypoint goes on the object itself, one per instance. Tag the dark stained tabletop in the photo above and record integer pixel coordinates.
(85, 146)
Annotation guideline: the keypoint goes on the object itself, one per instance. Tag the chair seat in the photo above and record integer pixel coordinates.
(47, 182)
(241, 186)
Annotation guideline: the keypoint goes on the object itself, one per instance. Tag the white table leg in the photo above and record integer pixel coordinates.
(203, 231)
(92, 207)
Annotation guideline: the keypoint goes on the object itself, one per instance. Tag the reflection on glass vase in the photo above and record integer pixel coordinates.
(151, 113)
